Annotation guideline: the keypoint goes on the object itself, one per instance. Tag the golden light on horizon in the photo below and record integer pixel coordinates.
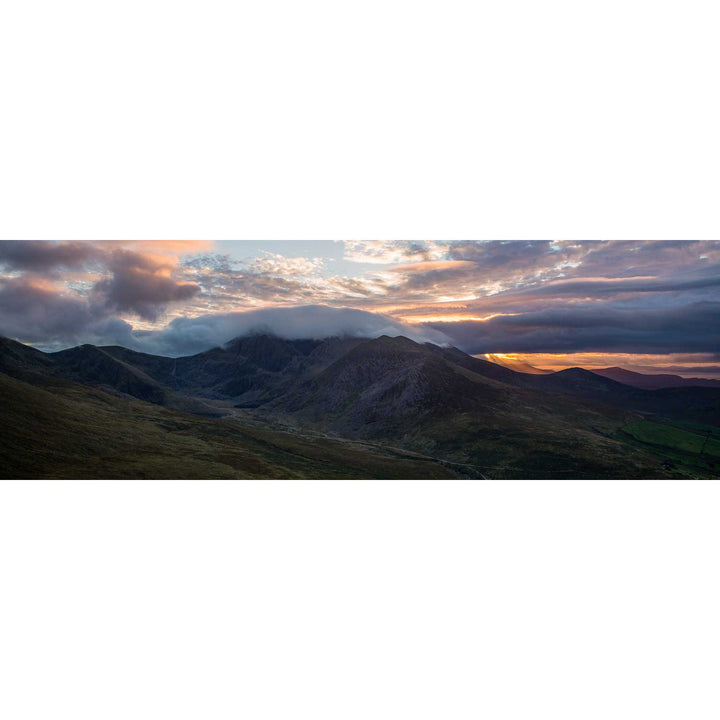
(643, 363)
(414, 319)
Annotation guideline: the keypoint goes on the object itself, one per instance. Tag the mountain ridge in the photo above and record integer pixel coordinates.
(653, 381)
(392, 391)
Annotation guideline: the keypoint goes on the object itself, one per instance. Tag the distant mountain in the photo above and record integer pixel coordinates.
(685, 404)
(654, 382)
(583, 383)
(469, 415)
(516, 365)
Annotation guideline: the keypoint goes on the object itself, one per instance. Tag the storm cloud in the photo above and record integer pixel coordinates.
(60, 291)
(141, 284)
(689, 328)
(36, 311)
(47, 256)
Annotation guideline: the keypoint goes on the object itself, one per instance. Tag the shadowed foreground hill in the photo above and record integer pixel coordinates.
(65, 430)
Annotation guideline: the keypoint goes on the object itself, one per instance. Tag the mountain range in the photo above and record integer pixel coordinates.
(654, 381)
(263, 406)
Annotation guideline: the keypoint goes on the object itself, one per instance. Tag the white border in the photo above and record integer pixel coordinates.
(359, 600)
(385, 119)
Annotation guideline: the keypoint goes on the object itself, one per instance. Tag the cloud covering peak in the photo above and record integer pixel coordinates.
(186, 336)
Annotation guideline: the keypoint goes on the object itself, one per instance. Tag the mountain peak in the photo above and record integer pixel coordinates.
(572, 371)
(394, 341)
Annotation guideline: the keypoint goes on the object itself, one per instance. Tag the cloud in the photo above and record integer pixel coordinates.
(142, 284)
(53, 256)
(36, 306)
(173, 247)
(615, 286)
(689, 328)
(388, 252)
(35, 310)
(100, 279)
(621, 258)
(45, 255)
(486, 276)
(278, 265)
(186, 336)
(268, 279)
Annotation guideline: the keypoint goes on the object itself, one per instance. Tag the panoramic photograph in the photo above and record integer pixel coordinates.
(373, 359)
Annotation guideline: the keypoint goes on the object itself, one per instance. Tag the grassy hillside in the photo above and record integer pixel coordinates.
(690, 449)
(65, 430)
(530, 442)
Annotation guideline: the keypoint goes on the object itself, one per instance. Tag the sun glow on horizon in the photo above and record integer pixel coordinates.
(414, 319)
(684, 364)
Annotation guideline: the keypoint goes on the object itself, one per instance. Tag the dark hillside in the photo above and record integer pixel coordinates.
(71, 431)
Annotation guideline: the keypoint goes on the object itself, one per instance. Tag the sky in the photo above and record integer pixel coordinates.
(652, 306)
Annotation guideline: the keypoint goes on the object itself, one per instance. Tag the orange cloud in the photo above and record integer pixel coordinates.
(431, 265)
(412, 319)
(164, 247)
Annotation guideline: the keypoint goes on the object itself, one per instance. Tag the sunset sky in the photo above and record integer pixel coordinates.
(650, 306)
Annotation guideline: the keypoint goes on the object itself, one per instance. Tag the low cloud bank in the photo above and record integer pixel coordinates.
(187, 336)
